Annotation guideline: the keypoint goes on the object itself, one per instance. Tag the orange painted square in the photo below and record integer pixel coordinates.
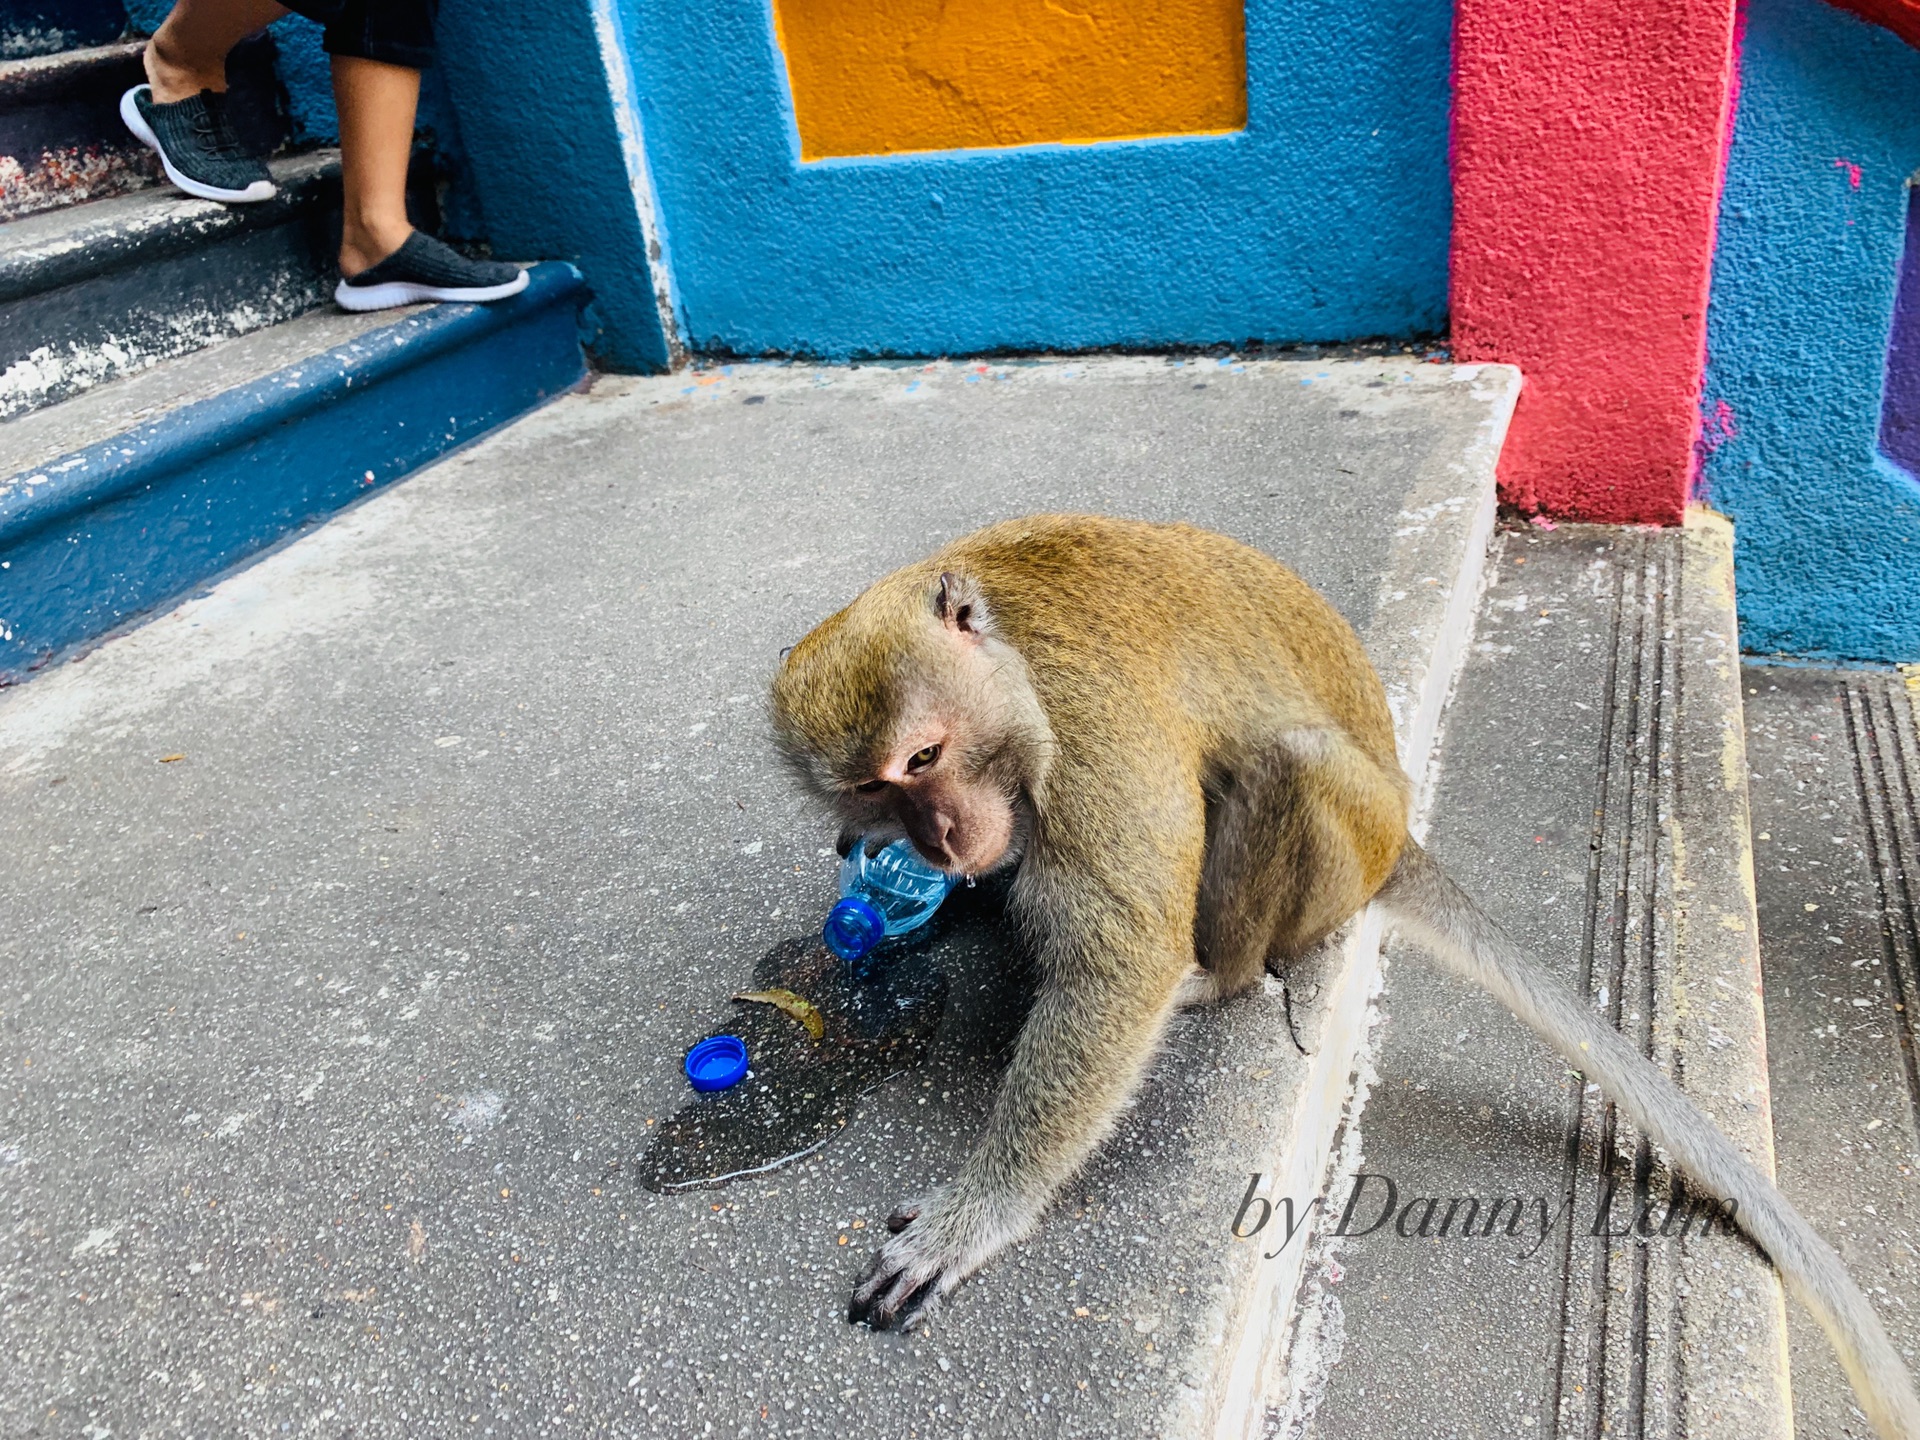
(874, 78)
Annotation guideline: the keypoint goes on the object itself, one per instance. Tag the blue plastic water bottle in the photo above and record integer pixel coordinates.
(883, 896)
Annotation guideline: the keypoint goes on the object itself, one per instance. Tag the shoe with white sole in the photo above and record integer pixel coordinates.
(425, 269)
(197, 146)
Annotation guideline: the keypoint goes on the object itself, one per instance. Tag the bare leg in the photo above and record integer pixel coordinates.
(376, 103)
(188, 53)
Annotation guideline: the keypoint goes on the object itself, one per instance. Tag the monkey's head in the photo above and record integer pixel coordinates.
(909, 714)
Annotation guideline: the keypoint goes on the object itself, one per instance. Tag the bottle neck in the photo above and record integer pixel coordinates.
(853, 927)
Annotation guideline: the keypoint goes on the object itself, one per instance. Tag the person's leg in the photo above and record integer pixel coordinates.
(188, 53)
(376, 103)
(379, 48)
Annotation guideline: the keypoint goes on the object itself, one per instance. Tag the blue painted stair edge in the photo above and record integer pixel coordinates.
(122, 527)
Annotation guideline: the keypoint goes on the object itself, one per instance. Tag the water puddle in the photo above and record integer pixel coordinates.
(800, 1092)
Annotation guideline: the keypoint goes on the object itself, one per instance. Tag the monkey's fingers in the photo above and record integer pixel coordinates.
(921, 1309)
(892, 1286)
(909, 1297)
(879, 1272)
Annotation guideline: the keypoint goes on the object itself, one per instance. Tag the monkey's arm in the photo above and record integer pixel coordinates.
(1108, 987)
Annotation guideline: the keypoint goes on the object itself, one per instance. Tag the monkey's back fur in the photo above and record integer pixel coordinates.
(1254, 666)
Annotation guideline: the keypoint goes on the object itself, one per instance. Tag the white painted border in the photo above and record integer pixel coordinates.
(611, 33)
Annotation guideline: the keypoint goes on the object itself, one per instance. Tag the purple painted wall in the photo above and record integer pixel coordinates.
(1900, 411)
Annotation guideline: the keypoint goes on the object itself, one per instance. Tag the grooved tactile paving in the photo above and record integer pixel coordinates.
(1590, 796)
(1836, 775)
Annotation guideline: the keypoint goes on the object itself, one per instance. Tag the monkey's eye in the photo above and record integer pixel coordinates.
(871, 787)
(922, 759)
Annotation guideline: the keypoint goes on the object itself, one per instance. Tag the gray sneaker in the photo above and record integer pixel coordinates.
(425, 269)
(197, 145)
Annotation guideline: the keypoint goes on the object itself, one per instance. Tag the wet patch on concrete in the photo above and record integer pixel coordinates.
(800, 1092)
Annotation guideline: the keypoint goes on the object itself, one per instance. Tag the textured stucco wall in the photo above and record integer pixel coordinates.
(1588, 142)
(1811, 235)
(545, 145)
(1325, 219)
(873, 79)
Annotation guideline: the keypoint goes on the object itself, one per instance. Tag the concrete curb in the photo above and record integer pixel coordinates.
(117, 528)
(1716, 1040)
(1427, 603)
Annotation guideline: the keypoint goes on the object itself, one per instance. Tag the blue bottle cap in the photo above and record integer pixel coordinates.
(717, 1062)
(853, 928)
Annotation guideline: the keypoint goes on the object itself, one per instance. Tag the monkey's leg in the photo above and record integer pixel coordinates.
(1297, 842)
(1086, 1042)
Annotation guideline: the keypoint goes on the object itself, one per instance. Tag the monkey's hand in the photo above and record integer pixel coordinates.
(1084, 1045)
(937, 1242)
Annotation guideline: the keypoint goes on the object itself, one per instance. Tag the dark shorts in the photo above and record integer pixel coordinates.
(395, 32)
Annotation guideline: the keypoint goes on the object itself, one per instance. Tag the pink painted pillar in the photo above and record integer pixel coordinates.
(1589, 139)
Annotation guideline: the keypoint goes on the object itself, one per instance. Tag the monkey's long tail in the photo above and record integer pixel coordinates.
(1436, 912)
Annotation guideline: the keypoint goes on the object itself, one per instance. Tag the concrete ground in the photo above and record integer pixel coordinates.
(359, 912)
(1836, 778)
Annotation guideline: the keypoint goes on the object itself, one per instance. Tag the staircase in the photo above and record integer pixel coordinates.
(1726, 861)
(177, 390)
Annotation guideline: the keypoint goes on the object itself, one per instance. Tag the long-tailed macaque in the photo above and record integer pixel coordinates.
(1187, 755)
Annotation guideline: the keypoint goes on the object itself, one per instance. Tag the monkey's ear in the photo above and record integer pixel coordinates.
(960, 605)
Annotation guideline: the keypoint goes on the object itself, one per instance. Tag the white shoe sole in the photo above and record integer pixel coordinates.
(143, 132)
(405, 292)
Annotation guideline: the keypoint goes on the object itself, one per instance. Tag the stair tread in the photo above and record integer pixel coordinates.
(44, 435)
(1590, 797)
(1835, 763)
(35, 78)
(40, 251)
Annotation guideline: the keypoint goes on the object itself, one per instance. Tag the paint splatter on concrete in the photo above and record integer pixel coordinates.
(72, 175)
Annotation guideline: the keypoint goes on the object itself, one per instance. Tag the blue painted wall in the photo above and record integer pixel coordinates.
(1326, 219)
(1828, 537)
(544, 147)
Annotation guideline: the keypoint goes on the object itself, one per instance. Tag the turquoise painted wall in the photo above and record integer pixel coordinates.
(1812, 225)
(1325, 219)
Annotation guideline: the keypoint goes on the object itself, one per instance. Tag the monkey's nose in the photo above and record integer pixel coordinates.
(934, 837)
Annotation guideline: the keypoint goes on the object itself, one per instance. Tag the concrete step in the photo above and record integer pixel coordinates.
(62, 141)
(1835, 765)
(45, 27)
(126, 496)
(361, 1010)
(92, 292)
(1591, 794)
